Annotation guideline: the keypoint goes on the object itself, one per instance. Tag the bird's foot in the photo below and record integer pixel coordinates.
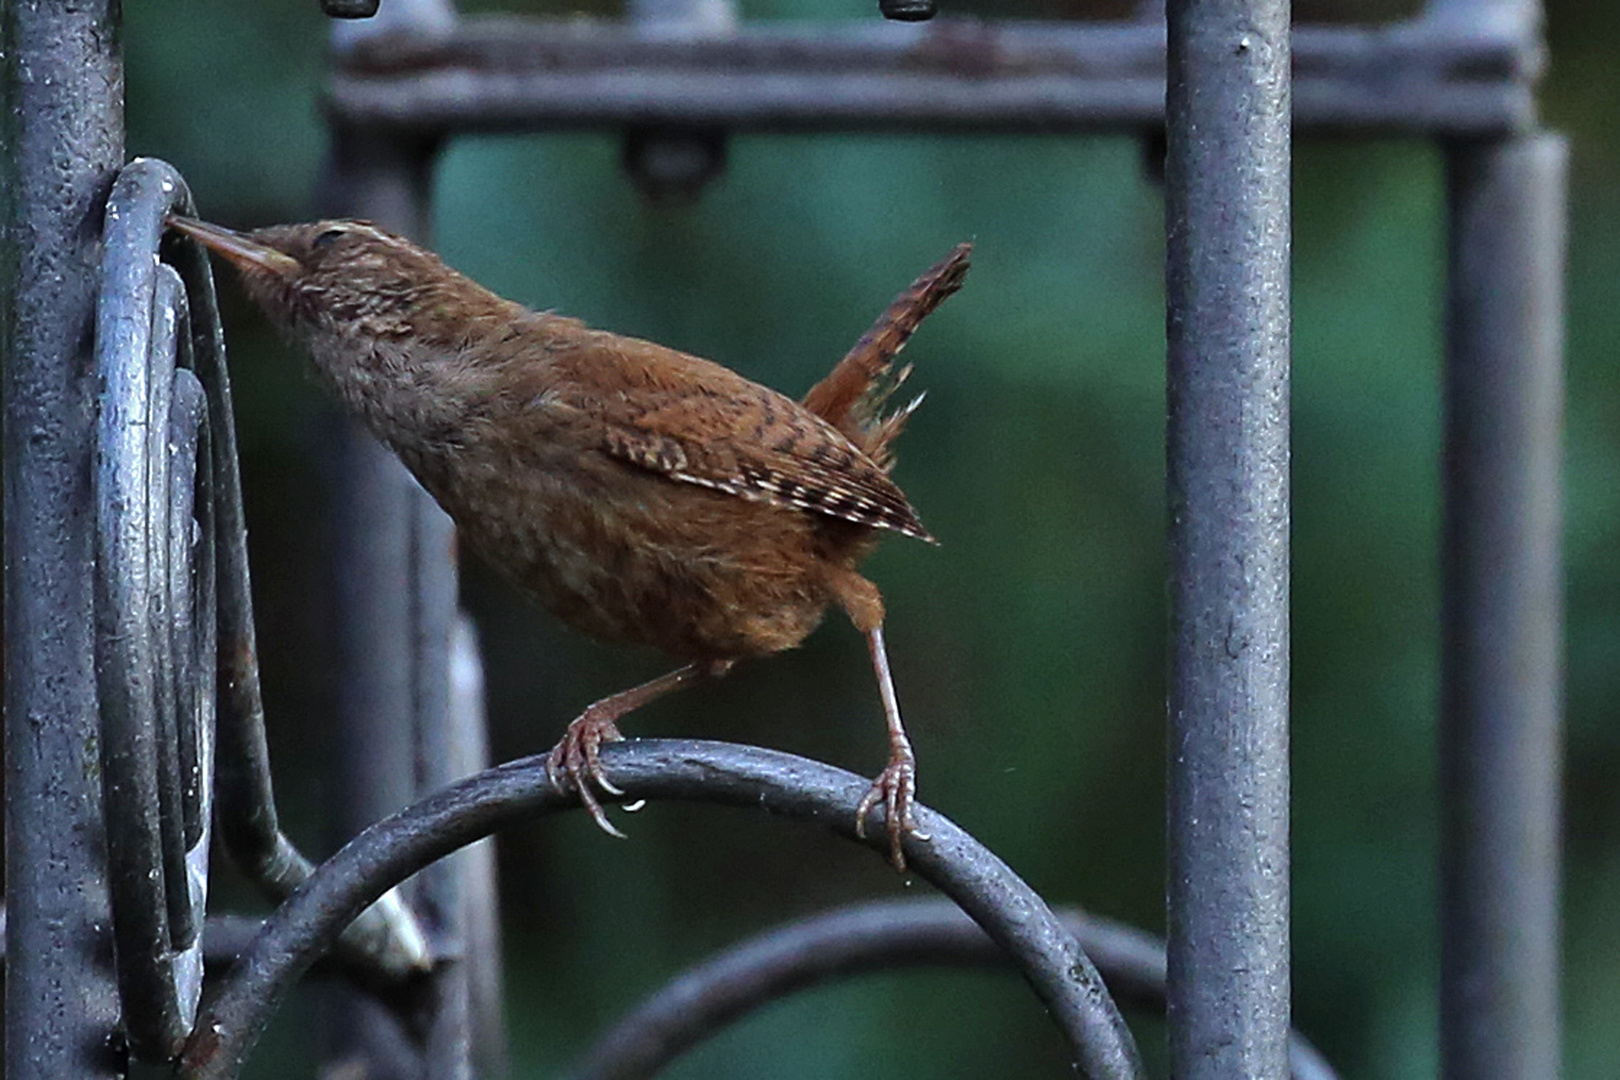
(577, 757)
(896, 789)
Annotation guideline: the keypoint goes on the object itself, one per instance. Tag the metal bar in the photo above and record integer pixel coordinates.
(172, 431)
(396, 597)
(1520, 14)
(134, 329)
(688, 15)
(1502, 611)
(193, 646)
(779, 784)
(374, 605)
(880, 936)
(64, 138)
(1451, 75)
(374, 760)
(349, 9)
(149, 432)
(480, 899)
(1227, 325)
(389, 180)
(437, 892)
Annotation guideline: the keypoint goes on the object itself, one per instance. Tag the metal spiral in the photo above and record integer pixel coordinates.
(156, 633)
(175, 641)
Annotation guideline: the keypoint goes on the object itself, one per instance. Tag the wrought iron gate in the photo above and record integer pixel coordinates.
(120, 456)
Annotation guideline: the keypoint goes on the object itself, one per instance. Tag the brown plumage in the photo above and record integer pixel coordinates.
(639, 493)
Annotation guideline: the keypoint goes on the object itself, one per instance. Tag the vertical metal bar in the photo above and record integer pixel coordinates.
(693, 14)
(1502, 610)
(456, 896)
(437, 890)
(1524, 13)
(397, 584)
(480, 928)
(378, 603)
(64, 138)
(375, 557)
(1227, 295)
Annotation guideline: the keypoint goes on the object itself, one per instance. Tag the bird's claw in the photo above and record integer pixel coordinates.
(576, 762)
(896, 788)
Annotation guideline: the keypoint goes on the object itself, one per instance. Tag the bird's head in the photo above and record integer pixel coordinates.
(329, 277)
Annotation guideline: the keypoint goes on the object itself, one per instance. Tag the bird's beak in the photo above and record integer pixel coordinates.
(246, 253)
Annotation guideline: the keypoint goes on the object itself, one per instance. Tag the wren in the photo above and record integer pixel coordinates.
(641, 494)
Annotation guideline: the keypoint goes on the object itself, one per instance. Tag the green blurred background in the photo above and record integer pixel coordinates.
(1028, 647)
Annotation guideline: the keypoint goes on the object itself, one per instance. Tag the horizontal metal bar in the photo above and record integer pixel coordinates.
(1451, 75)
(780, 784)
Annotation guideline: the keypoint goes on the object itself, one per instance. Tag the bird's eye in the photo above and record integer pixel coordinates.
(325, 239)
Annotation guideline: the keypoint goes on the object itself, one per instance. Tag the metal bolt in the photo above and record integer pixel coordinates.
(672, 164)
(907, 10)
(349, 9)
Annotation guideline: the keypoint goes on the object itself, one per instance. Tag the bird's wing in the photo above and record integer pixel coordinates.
(697, 422)
(758, 445)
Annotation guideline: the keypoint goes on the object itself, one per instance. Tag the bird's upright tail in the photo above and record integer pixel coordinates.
(853, 394)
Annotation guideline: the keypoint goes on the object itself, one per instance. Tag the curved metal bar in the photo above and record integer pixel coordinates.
(140, 315)
(169, 317)
(1011, 913)
(192, 632)
(855, 940)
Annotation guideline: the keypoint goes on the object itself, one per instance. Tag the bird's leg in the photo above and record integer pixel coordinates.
(577, 753)
(896, 786)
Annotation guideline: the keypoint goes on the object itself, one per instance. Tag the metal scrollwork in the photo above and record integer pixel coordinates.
(155, 605)
(175, 642)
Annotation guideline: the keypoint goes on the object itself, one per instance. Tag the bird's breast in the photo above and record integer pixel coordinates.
(625, 554)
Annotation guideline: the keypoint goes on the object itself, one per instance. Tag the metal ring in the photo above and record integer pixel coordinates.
(154, 594)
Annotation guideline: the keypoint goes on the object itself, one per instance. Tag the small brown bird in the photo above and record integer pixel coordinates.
(640, 494)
